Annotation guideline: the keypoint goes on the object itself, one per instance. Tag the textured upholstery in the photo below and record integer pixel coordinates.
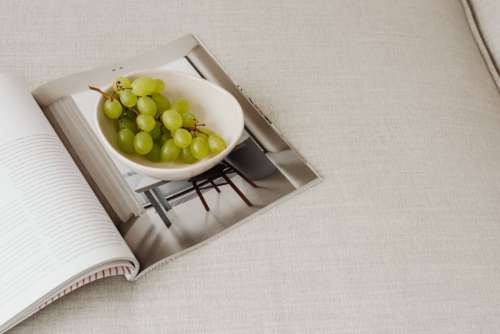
(390, 100)
(483, 16)
(488, 14)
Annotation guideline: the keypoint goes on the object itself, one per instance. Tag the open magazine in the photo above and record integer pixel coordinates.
(72, 214)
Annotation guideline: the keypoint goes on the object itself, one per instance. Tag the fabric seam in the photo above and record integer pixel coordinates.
(481, 42)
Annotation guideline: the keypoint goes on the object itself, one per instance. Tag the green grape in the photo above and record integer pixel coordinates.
(198, 133)
(156, 132)
(160, 86)
(201, 134)
(112, 109)
(126, 140)
(206, 131)
(155, 154)
(181, 105)
(164, 137)
(127, 98)
(146, 105)
(143, 143)
(121, 83)
(186, 156)
(127, 123)
(171, 119)
(162, 103)
(169, 151)
(143, 86)
(188, 120)
(199, 148)
(216, 144)
(182, 138)
(145, 122)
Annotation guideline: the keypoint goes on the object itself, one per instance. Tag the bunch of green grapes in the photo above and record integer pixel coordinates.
(148, 124)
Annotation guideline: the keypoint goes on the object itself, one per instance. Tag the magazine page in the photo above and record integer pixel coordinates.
(53, 227)
(260, 171)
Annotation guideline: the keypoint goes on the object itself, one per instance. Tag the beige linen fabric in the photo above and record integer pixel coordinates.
(393, 104)
(483, 16)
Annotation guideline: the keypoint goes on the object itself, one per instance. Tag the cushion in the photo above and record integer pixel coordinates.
(484, 18)
(390, 100)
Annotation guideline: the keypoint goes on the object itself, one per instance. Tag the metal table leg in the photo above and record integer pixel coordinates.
(161, 198)
(159, 207)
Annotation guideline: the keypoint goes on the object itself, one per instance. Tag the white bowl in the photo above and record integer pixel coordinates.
(211, 104)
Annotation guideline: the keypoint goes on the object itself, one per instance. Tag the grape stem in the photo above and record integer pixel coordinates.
(105, 95)
(196, 129)
(197, 124)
